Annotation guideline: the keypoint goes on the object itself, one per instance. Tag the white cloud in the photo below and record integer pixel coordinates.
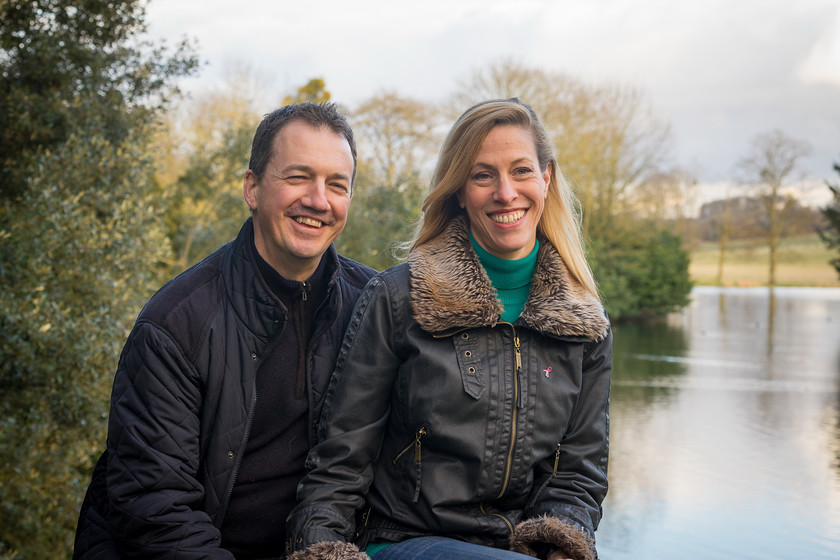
(720, 71)
(822, 66)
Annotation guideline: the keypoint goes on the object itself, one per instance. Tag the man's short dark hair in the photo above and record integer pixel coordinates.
(315, 114)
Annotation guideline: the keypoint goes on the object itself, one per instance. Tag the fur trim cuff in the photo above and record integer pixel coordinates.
(330, 550)
(533, 534)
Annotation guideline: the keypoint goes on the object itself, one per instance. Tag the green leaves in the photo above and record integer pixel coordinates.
(82, 243)
(82, 250)
(830, 232)
(641, 269)
(68, 65)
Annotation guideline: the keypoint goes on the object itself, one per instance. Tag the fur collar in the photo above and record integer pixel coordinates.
(451, 290)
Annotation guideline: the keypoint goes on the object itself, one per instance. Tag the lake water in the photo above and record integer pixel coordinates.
(725, 430)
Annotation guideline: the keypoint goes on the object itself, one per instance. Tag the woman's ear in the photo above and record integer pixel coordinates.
(547, 178)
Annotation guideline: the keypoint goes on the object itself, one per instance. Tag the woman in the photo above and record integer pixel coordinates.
(468, 413)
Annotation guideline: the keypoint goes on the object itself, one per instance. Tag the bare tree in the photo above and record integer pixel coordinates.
(666, 197)
(202, 153)
(607, 138)
(772, 160)
(723, 240)
(398, 140)
(399, 132)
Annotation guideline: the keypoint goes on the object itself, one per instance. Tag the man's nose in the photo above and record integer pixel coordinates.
(316, 196)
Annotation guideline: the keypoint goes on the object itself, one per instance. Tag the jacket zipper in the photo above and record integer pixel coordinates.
(499, 515)
(549, 479)
(247, 434)
(515, 414)
(415, 443)
(311, 348)
(238, 460)
(417, 458)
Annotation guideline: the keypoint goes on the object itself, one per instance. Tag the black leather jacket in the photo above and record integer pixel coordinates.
(183, 397)
(461, 425)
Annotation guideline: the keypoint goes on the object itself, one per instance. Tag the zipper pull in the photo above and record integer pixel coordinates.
(420, 433)
(416, 444)
(303, 290)
(518, 372)
(556, 459)
(517, 353)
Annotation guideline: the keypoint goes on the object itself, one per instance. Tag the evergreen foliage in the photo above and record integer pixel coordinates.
(78, 260)
(830, 233)
(641, 269)
(381, 217)
(82, 243)
(68, 65)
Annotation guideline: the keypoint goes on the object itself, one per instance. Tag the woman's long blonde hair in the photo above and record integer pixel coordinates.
(560, 222)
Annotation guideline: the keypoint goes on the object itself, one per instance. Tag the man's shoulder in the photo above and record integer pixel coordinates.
(185, 301)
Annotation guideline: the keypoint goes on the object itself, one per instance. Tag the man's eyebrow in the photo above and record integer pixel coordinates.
(309, 170)
(342, 176)
(293, 168)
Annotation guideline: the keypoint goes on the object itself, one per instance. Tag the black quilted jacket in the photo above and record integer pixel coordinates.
(183, 397)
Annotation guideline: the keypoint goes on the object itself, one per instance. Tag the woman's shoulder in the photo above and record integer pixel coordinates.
(395, 274)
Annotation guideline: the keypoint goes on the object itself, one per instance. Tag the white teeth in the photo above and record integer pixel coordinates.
(308, 221)
(507, 218)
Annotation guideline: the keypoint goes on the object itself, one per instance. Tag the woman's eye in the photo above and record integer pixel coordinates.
(483, 176)
(523, 170)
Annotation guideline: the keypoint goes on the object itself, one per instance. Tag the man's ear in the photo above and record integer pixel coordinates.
(250, 184)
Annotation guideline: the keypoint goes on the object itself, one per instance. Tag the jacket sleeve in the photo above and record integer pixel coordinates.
(356, 410)
(153, 447)
(571, 486)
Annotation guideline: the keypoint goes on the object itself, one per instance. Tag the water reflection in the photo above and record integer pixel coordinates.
(725, 436)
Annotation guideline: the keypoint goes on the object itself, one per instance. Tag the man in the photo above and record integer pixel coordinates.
(220, 384)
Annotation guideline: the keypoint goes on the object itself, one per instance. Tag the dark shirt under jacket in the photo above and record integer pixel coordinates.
(277, 446)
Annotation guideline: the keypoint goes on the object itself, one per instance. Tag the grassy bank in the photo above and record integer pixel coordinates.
(803, 261)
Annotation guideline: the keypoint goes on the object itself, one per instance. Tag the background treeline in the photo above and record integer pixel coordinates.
(110, 183)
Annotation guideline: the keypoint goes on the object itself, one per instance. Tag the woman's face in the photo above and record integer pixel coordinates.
(505, 192)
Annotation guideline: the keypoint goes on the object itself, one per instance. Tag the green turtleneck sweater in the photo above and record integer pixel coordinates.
(510, 278)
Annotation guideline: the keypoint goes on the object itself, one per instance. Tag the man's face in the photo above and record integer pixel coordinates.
(300, 205)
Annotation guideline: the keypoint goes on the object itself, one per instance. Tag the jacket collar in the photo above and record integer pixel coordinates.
(450, 290)
(255, 304)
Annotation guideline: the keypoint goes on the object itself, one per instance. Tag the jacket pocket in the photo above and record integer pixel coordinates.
(549, 479)
(466, 351)
(418, 458)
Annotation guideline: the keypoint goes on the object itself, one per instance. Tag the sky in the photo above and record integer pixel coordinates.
(719, 72)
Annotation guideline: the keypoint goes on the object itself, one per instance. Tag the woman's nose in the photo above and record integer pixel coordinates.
(506, 190)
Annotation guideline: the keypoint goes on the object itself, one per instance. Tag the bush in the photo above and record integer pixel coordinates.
(82, 250)
(641, 270)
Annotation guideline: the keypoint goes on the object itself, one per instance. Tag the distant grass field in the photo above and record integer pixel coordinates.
(803, 261)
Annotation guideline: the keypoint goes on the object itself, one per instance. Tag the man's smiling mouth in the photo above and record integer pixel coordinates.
(308, 221)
